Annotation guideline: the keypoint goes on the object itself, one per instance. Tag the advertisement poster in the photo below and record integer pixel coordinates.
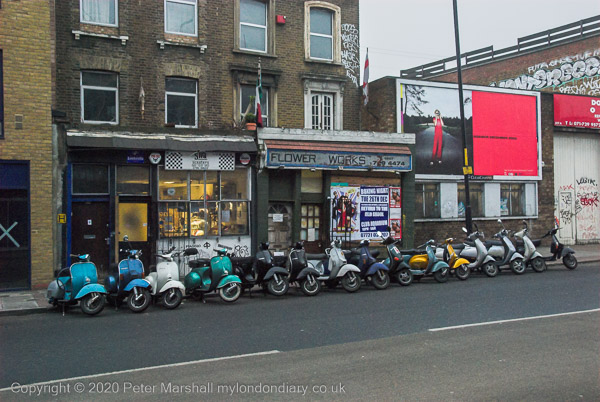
(396, 212)
(374, 211)
(576, 111)
(345, 201)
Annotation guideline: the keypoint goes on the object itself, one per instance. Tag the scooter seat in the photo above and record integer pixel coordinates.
(199, 262)
(490, 243)
(321, 256)
(279, 260)
(375, 253)
(242, 260)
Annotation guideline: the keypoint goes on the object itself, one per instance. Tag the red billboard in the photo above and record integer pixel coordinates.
(504, 134)
(576, 111)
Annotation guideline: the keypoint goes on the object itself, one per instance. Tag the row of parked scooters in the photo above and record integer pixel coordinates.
(230, 276)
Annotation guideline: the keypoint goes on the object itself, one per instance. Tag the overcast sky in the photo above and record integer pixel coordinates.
(402, 34)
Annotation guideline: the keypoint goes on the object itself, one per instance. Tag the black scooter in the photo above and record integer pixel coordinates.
(271, 278)
(559, 251)
(302, 272)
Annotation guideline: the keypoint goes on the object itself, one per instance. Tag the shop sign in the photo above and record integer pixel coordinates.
(199, 160)
(155, 158)
(576, 111)
(335, 160)
(135, 157)
(244, 159)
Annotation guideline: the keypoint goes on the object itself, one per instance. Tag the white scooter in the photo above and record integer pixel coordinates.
(165, 282)
(530, 256)
(479, 256)
(507, 254)
(337, 269)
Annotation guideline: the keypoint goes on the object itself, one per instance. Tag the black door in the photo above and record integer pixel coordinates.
(14, 239)
(90, 233)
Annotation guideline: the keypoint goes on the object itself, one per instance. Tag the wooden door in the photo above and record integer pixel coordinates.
(90, 232)
(280, 226)
(310, 227)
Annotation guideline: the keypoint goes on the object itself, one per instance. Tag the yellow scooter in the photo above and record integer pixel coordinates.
(458, 266)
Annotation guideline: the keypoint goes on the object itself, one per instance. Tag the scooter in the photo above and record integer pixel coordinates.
(372, 271)
(530, 256)
(78, 283)
(458, 266)
(398, 269)
(164, 283)
(478, 254)
(271, 278)
(301, 272)
(337, 269)
(559, 251)
(217, 276)
(508, 254)
(129, 283)
(427, 264)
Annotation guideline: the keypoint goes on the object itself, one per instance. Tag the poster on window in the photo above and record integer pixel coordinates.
(396, 212)
(374, 211)
(345, 217)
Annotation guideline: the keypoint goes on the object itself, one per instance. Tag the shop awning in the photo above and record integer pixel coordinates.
(337, 155)
(212, 141)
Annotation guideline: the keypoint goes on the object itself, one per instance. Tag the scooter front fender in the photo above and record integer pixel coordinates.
(306, 271)
(566, 250)
(460, 261)
(347, 268)
(172, 284)
(376, 267)
(227, 280)
(439, 265)
(275, 270)
(139, 283)
(87, 289)
(535, 255)
(515, 256)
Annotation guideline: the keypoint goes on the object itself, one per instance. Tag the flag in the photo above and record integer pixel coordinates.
(366, 79)
(258, 99)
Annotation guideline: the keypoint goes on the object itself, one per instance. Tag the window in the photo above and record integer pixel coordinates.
(310, 222)
(512, 199)
(99, 12)
(322, 27)
(1, 98)
(427, 201)
(322, 111)
(248, 91)
(133, 180)
(99, 97)
(253, 25)
(216, 204)
(476, 197)
(181, 102)
(181, 17)
(89, 179)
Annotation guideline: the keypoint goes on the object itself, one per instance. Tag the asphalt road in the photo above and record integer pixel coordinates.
(324, 339)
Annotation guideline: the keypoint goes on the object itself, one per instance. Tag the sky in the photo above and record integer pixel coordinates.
(402, 34)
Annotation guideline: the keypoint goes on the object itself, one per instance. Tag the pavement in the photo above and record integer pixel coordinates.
(34, 301)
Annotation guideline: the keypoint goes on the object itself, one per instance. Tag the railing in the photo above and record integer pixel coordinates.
(552, 37)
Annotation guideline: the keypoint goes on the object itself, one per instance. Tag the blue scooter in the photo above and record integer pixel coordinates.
(130, 283)
(371, 271)
(214, 275)
(78, 283)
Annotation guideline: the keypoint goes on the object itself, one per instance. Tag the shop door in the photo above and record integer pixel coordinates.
(310, 227)
(90, 233)
(14, 239)
(280, 226)
(132, 220)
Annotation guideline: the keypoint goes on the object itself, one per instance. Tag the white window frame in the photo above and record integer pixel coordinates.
(265, 27)
(116, 24)
(335, 28)
(332, 15)
(195, 96)
(189, 3)
(334, 88)
(82, 89)
(321, 97)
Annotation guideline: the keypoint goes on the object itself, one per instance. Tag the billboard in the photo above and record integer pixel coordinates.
(502, 129)
(576, 111)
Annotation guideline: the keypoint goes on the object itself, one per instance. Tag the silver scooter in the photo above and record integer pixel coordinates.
(478, 254)
(530, 256)
(507, 254)
(336, 269)
(165, 283)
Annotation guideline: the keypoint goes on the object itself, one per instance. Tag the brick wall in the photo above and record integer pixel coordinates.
(26, 44)
(380, 113)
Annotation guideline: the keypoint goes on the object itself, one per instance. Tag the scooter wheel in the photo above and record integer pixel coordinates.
(230, 292)
(92, 303)
(405, 277)
(463, 272)
(441, 275)
(141, 303)
(278, 289)
(517, 266)
(490, 269)
(172, 298)
(351, 282)
(538, 264)
(310, 286)
(380, 280)
(570, 261)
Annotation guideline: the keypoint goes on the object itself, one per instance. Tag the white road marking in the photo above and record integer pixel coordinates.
(479, 324)
(214, 359)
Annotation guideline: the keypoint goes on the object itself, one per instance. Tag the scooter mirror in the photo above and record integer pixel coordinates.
(465, 230)
(499, 221)
(125, 238)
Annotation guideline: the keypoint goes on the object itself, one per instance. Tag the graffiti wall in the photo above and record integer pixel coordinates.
(587, 211)
(350, 52)
(577, 74)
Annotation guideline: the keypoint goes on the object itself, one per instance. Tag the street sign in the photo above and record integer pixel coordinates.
(62, 218)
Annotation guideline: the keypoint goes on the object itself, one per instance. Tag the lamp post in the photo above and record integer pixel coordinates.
(466, 168)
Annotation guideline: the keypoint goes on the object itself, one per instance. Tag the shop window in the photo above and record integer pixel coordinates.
(512, 199)
(1, 97)
(90, 179)
(173, 219)
(427, 201)
(99, 12)
(234, 218)
(310, 222)
(181, 17)
(247, 97)
(99, 97)
(198, 219)
(322, 112)
(312, 182)
(253, 25)
(234, 186)
(323, 31)
(476, 198)
(133, 180)
(181, 100)
(172, 185)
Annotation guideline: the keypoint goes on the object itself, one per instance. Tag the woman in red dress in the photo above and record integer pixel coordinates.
(437, 139)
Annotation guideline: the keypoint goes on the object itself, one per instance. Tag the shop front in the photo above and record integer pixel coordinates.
(159, 191)
(317, 186)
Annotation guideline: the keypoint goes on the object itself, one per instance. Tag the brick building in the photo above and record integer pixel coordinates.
(150, 101)
(26, 194)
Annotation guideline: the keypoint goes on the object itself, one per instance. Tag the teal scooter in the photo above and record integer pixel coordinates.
(214, 275)
(78, 283)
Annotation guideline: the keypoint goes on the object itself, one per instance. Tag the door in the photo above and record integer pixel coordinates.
(90, 233)
(132, 220)
(280, 226)
(14, 239)
(310, 227)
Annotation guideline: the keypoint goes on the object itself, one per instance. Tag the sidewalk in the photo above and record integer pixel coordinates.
(34, 301)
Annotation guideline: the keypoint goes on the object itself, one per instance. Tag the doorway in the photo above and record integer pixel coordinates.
(280, 226)
(90, 233)
(310, 227)
(132, 221)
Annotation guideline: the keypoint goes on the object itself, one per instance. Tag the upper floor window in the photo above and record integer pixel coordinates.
(323, 31)
(181, 100)
(99, 97)
(427, 200)
(253, 25)
(99, 12)
(181, 17)
(247, 95)
(322, 111)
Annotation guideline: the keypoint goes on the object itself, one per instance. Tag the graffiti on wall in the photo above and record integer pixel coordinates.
(576, 75)
(587, 209)
(350, 52)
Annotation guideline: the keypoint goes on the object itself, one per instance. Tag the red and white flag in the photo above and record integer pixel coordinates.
(258, 98)
(365, 84)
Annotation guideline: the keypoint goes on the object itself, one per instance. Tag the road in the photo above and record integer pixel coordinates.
(373, 344)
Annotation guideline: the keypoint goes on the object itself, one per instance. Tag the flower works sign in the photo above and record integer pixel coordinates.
(334, 160)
